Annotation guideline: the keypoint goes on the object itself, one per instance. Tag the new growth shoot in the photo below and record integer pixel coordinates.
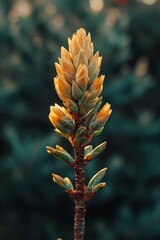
(79, 119)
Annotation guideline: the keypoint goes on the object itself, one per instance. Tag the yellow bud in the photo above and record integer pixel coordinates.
(81, 35)
(60, 95)
(56, 115)
(99, 62)
(74, 46)
(53, 120)
(63, 88)
(88, 46)
(99, 186)
(103, 114)
(96, 87)
(62, 182)
(59, 69)
(95, 57)
(82, 77)
(80, 42)
(81, 58)
(67, 66)
(66, 54)
(96, 62)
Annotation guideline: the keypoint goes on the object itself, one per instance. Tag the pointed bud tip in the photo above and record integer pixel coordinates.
(102, 184)
(54, 177)
(104, 170)
(110, 112)
(48, 147)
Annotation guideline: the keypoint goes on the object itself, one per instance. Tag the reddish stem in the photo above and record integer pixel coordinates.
(80, 202)
(79, 197)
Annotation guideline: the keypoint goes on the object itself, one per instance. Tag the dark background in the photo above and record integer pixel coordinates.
(127, 34)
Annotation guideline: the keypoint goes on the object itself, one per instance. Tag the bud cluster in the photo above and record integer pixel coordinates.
(79, 87)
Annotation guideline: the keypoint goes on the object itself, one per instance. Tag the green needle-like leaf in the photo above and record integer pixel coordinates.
(62, 182)
(60, 154)
(96, 179)
(96, 151)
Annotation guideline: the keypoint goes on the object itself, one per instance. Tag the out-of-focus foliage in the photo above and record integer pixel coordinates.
(127, 34)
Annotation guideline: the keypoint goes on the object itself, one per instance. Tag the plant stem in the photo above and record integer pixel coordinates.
(80, 203)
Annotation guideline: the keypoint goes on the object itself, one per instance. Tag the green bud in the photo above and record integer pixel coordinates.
(65, 157)
(94, 76)
(80, 59)
(99, 186)
(76, 91)
(85, 99)
(82, 110)
(95, 94)
(93, 119)
(96, 179)
(51, 151)
(69, 183)
(92, 68)
(68, 122)
(80, 133)
(98, 149)
(93, 125)
(64, 183)
(93, 103)
(96, 104)
(90, 104)
(61, 149)
(89, 114)
(62, 128)
(87, 150)
(97, 132)
(72, 106)
(60, 154)
(62, 134)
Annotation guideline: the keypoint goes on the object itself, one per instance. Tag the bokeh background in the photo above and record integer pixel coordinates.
(127, 34)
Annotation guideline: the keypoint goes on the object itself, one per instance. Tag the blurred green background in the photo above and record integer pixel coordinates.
(127, 34)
